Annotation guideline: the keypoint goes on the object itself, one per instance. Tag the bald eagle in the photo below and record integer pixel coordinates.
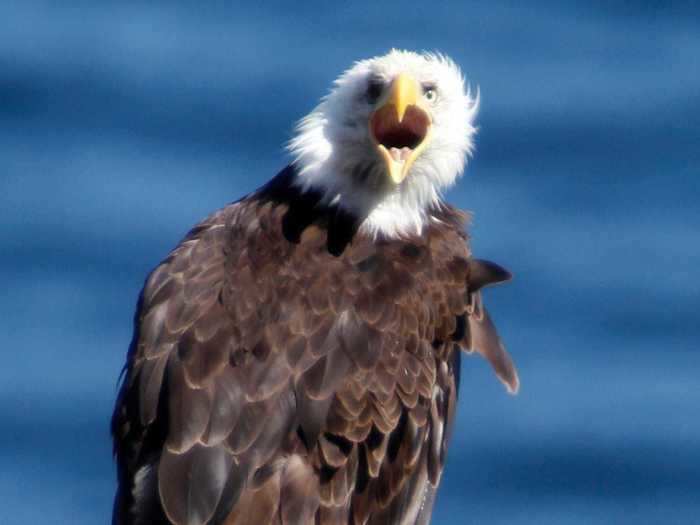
(296, 358)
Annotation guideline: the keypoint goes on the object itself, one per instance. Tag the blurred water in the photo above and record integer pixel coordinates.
(121, 125)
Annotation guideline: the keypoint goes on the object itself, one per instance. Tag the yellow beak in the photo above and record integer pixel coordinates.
(400, 127)
(404, 92)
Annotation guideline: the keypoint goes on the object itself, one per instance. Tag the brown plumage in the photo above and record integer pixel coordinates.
(286, 369)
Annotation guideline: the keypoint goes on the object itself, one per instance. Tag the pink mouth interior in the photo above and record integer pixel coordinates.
(399, 137)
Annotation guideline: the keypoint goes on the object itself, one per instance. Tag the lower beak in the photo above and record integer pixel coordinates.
(400, 128)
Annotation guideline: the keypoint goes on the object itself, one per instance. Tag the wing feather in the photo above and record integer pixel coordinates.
(271, 382)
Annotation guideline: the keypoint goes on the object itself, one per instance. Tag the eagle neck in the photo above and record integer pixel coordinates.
(306, 207)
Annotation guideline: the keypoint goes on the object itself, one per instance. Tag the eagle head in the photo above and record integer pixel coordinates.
(392, 134)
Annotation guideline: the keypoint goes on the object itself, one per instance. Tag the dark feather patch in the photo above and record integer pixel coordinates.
(483, 273)
(288, 369)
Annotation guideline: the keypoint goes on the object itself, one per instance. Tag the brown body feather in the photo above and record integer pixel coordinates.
(288, 370)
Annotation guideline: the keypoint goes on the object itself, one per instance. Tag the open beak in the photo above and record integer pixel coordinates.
(400, 128)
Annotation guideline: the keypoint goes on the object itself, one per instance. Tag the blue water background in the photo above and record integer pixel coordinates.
(124, 123)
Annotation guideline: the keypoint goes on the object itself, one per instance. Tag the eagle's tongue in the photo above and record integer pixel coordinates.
(400, 155)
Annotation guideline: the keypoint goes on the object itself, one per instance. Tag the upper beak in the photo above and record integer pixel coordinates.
(404, 92)
(400, 127)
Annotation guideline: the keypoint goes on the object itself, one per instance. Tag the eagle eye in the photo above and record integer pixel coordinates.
(374, 90)
(430, 91)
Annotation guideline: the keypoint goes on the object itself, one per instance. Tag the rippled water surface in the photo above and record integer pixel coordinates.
(122, 124)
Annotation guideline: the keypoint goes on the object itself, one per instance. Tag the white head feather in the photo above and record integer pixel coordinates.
(335, 153)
